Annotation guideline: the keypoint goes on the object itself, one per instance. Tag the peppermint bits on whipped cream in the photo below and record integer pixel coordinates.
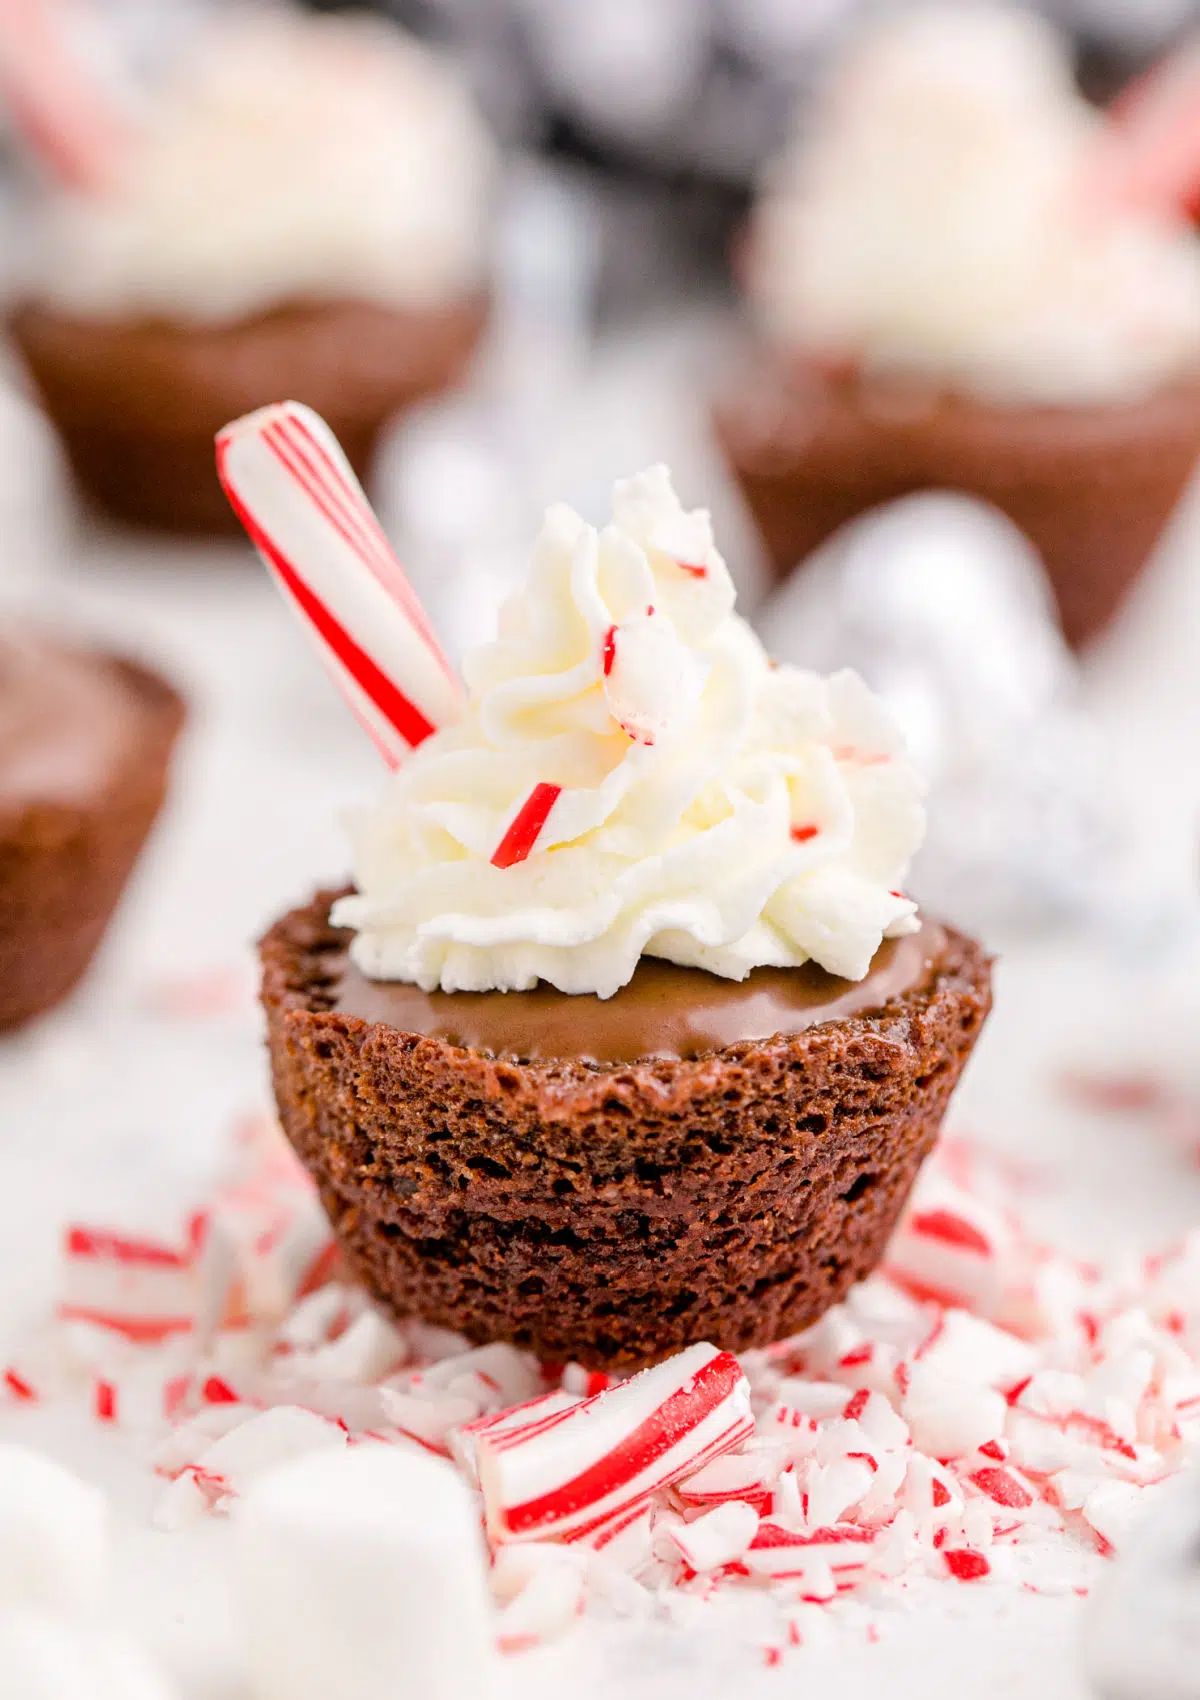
(631, 776)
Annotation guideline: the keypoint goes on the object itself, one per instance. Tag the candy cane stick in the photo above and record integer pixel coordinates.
(563, 1474)
(294, 491)
(1150, 155)
(67, 120)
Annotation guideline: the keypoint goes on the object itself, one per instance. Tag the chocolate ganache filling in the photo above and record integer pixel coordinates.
(663, 1011)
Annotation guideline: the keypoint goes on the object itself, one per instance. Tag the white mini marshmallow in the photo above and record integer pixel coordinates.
(44, 1656)
(363, 1575)
(53, 1546)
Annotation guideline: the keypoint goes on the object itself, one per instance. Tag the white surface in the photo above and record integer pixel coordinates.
(116, 1110)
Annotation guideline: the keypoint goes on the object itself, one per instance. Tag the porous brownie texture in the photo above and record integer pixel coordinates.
(137, 402)
(612, 1214)
(1092, 487)
(63, 866)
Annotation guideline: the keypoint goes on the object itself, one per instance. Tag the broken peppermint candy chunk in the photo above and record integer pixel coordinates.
(555, 1477)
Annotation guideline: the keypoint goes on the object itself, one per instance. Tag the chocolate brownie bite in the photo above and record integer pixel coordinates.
(608, 1180)
(949, 290)
(627, 1034)
(304, 208)
(85, 744)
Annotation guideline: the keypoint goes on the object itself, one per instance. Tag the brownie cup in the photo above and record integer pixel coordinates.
(85, 743)
(1092, 486)
(606, 1181)
(138, 401)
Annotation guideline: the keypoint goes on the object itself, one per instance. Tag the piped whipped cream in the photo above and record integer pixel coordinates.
(941, 219)
(632, 776)
(284, 157)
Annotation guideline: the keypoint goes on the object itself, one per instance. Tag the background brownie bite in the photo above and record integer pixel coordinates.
(612, 1213)
(137, 402)
(83, 772)
(953, 286)
(301, 205)
(1093, 488)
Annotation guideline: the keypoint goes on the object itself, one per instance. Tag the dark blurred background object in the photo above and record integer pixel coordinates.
(707, 87)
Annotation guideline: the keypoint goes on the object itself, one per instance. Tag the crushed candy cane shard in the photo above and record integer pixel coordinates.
(541, 1589)
(261, 1443)
(715, 1538)
(615, 1449)
(1020, 1428)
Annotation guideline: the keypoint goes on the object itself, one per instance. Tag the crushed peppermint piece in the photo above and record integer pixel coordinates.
(986, 1407)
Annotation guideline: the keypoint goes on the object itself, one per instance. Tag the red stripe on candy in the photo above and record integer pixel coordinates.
(121, 1248)
(533, 1429)
(370, 541)
(1004, 1488)
(951, 1229)
(608, 650)
(64, 113)
(966, 1566)
(770, 1535)
(18, 1386)
(143, 1329)
(319, 1271)
(526, 826)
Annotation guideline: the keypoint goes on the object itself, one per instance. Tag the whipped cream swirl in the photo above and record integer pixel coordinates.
(944, 218)
(632, 776)
(285, 157)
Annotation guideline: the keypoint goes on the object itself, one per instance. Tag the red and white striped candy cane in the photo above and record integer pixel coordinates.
(562, 1474)
(296, 494)
(62, 112)
(1150, 154)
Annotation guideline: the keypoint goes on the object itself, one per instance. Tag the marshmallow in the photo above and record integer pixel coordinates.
(53, 1546)
(47, 1657)
(1144, 1621)
(362, 1575)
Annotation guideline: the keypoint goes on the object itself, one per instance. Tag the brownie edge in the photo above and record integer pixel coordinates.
(64, 866)
(612, 1214)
